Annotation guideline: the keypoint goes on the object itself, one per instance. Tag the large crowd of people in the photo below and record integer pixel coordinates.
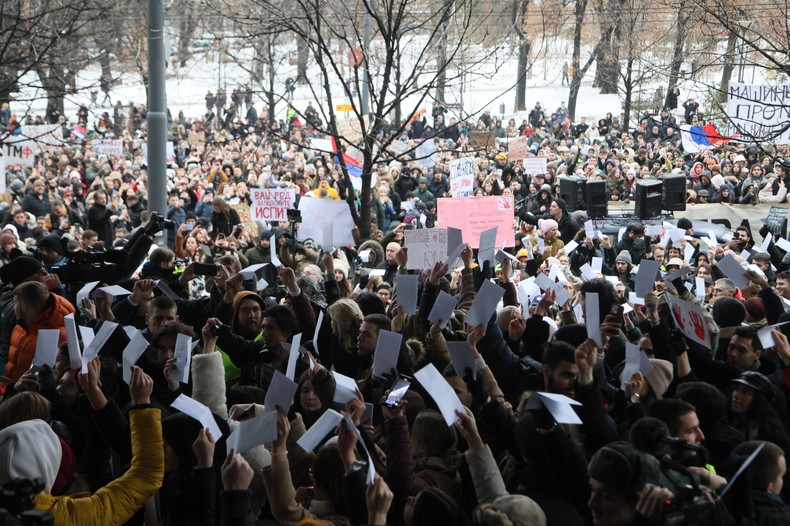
(642, 424)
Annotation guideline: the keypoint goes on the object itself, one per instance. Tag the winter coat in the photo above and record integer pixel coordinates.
(23, 339)
(35, 205)
(99, 222)
(116, 502)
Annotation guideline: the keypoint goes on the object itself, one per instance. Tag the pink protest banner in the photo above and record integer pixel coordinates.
(473, 215)
(517, 148)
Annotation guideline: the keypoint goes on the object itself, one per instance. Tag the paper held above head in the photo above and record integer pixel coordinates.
(462, 358)
(592, 318)
(46, 347)
(560, 406)
(134, 349)
(293, 356)
(733, 270)
(406, 286)
(199, 412)
(441, 392)
(385, 358)
(443, 308)
(280, 394)
(92, 349)
(485, 303)
(646, 276)
(635, 361)
(73, 342)
(253, 432)
(319, 430)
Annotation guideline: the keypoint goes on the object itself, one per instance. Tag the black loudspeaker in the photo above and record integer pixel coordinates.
(572, 191)
(674, 193)
(597, 200)
(648, 199)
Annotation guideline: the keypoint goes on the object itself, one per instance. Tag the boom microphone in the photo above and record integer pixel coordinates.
(651, 434)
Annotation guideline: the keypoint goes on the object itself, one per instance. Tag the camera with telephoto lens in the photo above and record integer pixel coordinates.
(521, 211)
(17, 503)
(159, 223)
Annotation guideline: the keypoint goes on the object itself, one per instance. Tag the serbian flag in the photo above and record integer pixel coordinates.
(352, 165)
(79, 132)
(701, 138)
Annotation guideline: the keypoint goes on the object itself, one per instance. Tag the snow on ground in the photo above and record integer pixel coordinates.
(187, 87)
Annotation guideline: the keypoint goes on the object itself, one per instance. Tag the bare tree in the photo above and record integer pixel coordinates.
(411, 50)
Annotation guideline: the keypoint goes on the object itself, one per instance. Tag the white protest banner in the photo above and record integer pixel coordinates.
(170, 154)
(473, 215)
(535, 165)
(271, 204)
(689, 319)
(22, 153)
(318, 213)
(42, 134)
(426, 247)
(518, 148)
(397, 148)
(759, 111)
(107, 146)
(425, 154)
(462, 177)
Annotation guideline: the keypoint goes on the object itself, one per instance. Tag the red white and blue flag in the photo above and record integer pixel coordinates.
(701, 138)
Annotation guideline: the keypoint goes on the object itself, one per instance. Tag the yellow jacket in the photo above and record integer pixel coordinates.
(115, 503)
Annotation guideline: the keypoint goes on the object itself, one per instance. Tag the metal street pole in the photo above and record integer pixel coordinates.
(157, 111)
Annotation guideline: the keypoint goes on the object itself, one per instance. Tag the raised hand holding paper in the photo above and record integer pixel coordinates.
(443, 308)
(406, 288)
(441, 392)
(385, 357)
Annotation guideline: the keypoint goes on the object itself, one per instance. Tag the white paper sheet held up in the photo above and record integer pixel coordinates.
(345, 388)
(73, 342)
(84, 292)
(280, 394)
(199, 412)
(462, 358)
(733, 270)
(560, 406)
(487, 246)
(635, 361)
(441, 392)
(485, 303)
(406, 289)
(443, 308)
(131, 353)
(92, 349)
(293, 356)
(319, 430)
(46, 347)
(592, 318)
(115, 291)
(253, 432)
(646, 277)
(385, 357)
(183, 359)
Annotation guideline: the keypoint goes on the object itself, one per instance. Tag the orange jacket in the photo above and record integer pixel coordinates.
(23, 339)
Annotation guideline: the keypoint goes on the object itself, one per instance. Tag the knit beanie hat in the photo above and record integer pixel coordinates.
(728, 312)
(30, 449)
(624, 468)
(754, 308)
(51, 242)
(19, 269)
(624, 255)
(660, 377)
(547, 224)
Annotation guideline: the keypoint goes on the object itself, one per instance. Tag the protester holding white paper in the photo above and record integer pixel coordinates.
(36, 308)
